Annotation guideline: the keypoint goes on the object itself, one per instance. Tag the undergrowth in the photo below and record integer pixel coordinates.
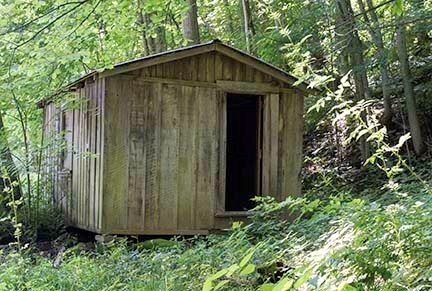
(373, 240)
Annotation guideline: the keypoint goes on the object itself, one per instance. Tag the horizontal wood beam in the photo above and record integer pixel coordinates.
(251, 88)
(158, 232)
(233, 214)
(245, 87)
(141, 80)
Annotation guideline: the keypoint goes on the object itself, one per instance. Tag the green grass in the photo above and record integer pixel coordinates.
(382, 241)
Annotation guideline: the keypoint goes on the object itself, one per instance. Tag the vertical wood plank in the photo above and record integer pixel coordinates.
(87, 135)
(80, 158)
(116, 150)
(145, 72)
(101, 153)
(187, 166)
(75, 165)
(227, 68)
(72, 149)
(152, 138)
(153, 71)
(249, 74)
(237, 71)
(258, 76)
(136, 160)
(207, 158)
(202, 67)
(186, 69)
(274, 135)
(266, 146)
(96, 153)
(222, 113)
(291, 139)
(210, 67)
(218, 66)
(92, 160)
(146, 101)
(169, 158)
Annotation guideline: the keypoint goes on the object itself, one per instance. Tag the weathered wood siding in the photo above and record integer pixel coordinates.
(207, 67)
(290, 144)
(75, 172)
(161, 157)
(282, 144)
(87, 163)
(147, 148)
(165, 144)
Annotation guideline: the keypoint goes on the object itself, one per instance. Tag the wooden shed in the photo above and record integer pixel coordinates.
(177, 142)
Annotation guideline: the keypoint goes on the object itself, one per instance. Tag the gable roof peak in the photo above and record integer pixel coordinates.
(192, 50)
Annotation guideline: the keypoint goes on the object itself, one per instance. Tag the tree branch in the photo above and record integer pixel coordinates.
(51, 23)
(24, 25)
(82, 22)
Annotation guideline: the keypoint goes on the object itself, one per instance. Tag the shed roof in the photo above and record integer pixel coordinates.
(175, 54)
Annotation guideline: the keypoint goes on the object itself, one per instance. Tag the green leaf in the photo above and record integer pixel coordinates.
(398, 7)
(158, 243)
(208, 285)
(348, 287)
(284, 284)
(247, 258)
(232, 269)
(249, 269)
(218, 275)
(303, 278)
(371, 160)
(220, 284)
(361, 133)
(267, 287)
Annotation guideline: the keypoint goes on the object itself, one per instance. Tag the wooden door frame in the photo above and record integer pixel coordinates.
(223, 89)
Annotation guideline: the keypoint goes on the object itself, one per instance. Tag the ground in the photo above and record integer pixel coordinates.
(379, 238)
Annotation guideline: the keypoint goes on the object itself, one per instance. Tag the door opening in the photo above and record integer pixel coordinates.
(243, 156)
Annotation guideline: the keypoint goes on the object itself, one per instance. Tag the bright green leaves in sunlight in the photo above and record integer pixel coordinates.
(242, 269)
(397, 7)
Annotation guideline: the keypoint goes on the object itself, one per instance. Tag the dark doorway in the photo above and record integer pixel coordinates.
(244, 126)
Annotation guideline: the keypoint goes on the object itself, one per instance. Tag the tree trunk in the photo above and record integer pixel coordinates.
(160, 40)
(247, 23)
(190, 23)
(229, 17)
(141, 23)
(353, 53)
(150, 44)
(414, 124)
(7, 166)
(376, 35)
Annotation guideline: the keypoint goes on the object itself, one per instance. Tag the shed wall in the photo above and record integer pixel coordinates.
(206, 67)
(161, 161)
(87, 163)
(165, 144)
(147, 148)
(73, 133)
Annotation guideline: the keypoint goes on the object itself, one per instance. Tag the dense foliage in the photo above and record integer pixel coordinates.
(380, 241)
(366, 218)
